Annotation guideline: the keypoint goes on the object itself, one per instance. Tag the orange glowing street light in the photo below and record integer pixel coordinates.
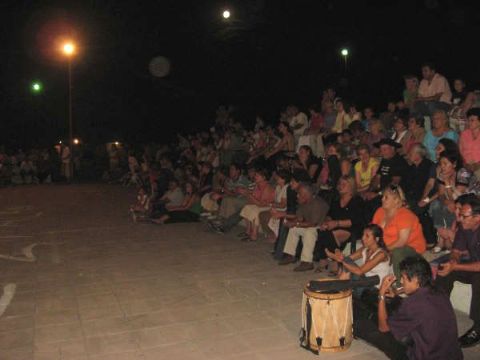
(68, 50)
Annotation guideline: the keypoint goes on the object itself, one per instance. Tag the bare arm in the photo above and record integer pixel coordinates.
(402, 239)
(382, 309)
(369, 265)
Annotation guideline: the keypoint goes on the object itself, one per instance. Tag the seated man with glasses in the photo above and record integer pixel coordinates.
(466, 242)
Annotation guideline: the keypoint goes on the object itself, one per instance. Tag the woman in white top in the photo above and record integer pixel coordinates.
(373, 256)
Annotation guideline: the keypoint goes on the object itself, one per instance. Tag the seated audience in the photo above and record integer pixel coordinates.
(416, 130)
(286, 144)
(269, 224)
(467, 241)
(387, 118)
(307, 161)
(344, 222)
(411, 91)
(188, 211)
(298, 177)
(439, 131)
(416, 180)
(453, 180)
(401, 134)
(392, 170)
(433, 92)
(423, 326)
(370, 260)
(310, 214)
(459, 91)
(402, 231)
(343, 119)
(469, 143)
(259, 200)
(365, 169)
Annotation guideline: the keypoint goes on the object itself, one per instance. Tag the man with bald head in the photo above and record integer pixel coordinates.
(310, 214)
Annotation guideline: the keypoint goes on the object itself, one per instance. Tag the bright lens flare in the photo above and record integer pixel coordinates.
(36, 87)
(76, 141)
(344, 52)
(226, 14)
(68, 49)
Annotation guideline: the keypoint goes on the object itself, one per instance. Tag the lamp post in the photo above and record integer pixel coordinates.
(68, 50)
(344, 53)
(226, 14)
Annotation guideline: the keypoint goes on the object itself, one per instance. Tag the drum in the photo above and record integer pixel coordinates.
(327, 319)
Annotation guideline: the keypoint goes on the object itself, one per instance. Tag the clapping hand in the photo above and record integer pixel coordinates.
(387, 284)
(446, 268)
(337, 256)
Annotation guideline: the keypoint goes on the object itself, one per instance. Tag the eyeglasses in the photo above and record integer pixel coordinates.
(394, 188)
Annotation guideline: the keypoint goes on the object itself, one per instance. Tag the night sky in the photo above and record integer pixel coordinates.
(269, 54)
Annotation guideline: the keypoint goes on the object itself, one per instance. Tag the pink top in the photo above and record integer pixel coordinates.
(469, 147)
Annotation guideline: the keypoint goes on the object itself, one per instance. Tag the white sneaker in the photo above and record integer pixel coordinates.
(436, 250)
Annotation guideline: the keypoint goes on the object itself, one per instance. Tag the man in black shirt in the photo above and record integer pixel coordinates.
(416, 179)
(467, 242)
(392, 170)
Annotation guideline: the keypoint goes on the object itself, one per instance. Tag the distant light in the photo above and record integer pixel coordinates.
(76, 141)
(60, 142)
(36, 87)
(68, 48)
(226, 14)
(116, 143)
(344, 52)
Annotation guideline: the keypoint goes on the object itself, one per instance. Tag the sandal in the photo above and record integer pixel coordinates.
(321, 268)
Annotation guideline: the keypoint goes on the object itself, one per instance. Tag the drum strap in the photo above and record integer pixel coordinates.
(318, 339)
(348, 311)
(305, 337)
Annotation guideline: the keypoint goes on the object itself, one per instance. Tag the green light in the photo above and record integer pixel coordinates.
(344, 52)
(37, 87)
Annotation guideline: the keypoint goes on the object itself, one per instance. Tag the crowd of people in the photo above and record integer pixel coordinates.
(405, 181)
(34, 167)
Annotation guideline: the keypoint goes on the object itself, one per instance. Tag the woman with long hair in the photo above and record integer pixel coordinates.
(344, 221)
(307, 161)
(259, 200)
(373, 256)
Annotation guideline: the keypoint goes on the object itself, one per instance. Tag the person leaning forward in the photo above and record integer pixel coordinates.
(310, 214)
(466, 244)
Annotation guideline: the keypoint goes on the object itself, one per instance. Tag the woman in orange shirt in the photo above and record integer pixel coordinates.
(402, 231)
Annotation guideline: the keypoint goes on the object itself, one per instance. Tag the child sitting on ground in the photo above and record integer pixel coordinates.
(141, 207)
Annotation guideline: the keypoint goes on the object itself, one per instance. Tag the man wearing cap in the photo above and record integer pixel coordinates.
(392, 168)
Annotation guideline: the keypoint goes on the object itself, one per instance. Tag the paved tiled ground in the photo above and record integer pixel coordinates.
(101, 287)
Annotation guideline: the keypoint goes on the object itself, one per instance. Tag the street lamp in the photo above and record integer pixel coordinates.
(68, 50)
(344, 53)
(36, 87)
(226, 14)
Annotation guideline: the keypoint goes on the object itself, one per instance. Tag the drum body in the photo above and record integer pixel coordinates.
(327, 320)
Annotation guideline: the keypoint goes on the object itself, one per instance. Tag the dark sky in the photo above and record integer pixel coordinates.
(268, 54)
